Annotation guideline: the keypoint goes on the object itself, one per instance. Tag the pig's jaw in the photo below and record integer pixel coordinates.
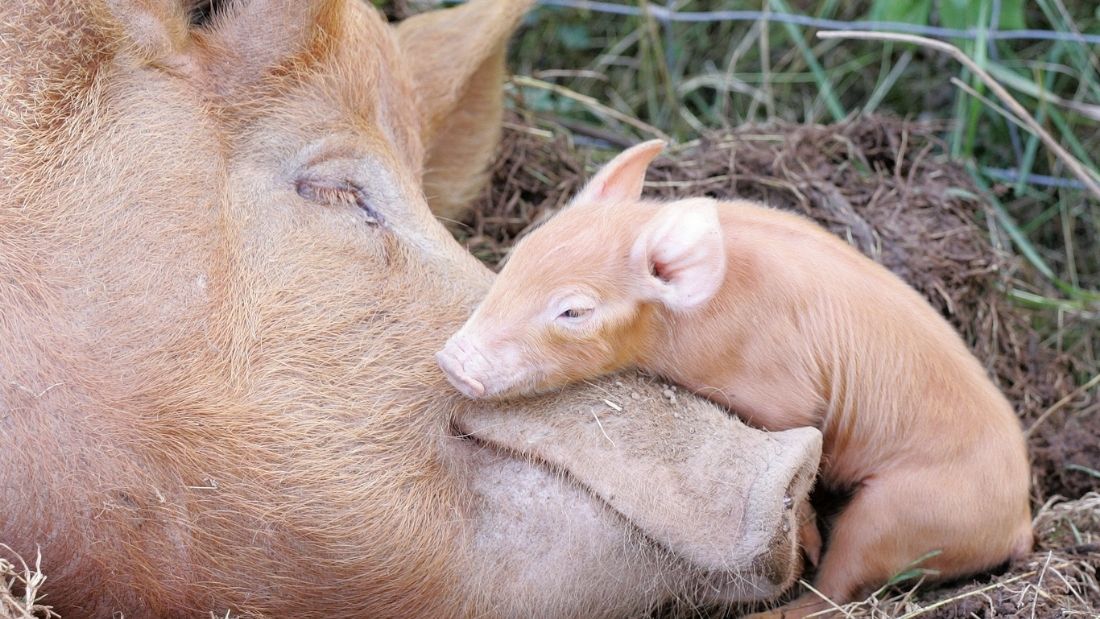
(479, 375)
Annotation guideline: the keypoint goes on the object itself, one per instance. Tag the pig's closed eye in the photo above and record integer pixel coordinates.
(574, 317)
(573, 310)
(335, 193)
(575, 313)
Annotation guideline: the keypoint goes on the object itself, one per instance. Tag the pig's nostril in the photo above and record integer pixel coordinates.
(446, 362)
(474, 388)
(457, 376)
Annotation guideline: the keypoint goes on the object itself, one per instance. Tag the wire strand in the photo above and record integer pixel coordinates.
(663, 14)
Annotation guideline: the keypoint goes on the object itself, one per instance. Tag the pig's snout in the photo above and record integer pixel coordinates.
(452, 360)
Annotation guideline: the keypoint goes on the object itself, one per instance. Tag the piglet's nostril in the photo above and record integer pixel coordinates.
(457, 376)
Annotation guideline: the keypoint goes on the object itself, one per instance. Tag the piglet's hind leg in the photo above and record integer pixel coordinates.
(933, 518)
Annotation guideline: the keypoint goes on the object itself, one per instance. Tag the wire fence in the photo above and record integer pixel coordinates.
(670, 15)
(667, 15)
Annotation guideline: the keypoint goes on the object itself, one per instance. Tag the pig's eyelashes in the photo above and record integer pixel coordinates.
(338, 193)
(575, 316)
(575, 313)
(574, 309)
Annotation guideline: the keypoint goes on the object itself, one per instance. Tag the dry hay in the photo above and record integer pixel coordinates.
(886, 186)
(20, 588)
(1059, 579)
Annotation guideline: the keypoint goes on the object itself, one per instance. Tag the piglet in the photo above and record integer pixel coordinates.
(774, 317)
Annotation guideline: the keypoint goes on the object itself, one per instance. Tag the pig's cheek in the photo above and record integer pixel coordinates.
(513, 366)
(519, 367)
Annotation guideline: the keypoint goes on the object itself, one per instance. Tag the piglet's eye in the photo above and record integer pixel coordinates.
(575, 313)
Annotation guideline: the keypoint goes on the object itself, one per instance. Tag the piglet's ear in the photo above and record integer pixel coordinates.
(680, 255)
(621, 178)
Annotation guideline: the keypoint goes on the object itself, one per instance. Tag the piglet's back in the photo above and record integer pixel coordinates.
(880, 350)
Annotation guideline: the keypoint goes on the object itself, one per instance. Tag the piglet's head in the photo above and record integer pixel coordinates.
(585, 293)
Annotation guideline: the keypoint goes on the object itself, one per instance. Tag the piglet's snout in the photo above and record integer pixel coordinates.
(453, 360)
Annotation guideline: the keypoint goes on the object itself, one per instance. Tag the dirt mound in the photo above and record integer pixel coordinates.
(887, 187)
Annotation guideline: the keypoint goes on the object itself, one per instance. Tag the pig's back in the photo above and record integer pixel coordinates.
(893, 373)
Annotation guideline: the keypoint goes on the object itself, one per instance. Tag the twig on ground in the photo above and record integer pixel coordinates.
(1060, 403)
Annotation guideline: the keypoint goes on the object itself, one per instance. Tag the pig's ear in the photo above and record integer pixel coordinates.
(156, 30)
(457, 61)
(680, 255)
(246, 41)
(622, 178)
